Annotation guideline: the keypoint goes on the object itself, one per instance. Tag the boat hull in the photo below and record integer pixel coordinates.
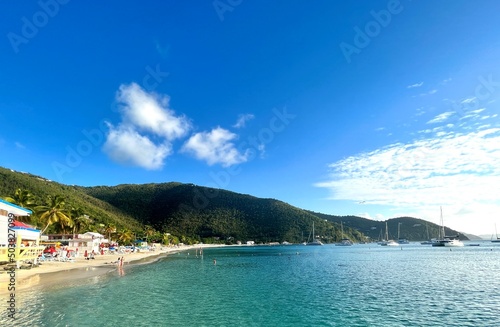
(448, 243)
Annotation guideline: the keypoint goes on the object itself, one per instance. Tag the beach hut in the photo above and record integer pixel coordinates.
(19, 242)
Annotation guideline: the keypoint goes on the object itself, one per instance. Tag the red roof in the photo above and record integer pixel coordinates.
(18, 223)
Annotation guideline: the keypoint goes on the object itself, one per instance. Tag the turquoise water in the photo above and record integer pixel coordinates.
(362, 285)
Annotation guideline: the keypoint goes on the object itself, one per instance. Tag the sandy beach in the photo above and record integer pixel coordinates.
(51, 272)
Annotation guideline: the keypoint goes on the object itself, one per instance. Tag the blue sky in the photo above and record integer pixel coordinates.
(378, 109)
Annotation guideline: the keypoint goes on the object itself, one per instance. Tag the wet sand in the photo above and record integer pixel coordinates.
(56, 272)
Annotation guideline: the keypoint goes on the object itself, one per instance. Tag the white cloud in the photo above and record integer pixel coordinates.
(242, 119)
(215, 147)
(457, 171)
(441, 117)
(144, 136)
(428, 93)
(369, 216)
(126, 146)
(151, 113)
(415, 85)
(477, 111)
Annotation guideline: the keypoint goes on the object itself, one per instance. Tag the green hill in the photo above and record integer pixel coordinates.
(99, 211)
(207, 213)
(195, 213)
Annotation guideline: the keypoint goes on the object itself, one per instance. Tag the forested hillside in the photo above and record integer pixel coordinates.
(194, 213)
(101, 214)
(207, 213)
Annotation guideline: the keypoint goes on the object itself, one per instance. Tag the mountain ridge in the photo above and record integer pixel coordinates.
(203, 214)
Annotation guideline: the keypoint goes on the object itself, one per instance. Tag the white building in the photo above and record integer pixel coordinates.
(89, 241)
(27, 238)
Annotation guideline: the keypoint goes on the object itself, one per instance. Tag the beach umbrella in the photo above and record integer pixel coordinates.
(50, 250)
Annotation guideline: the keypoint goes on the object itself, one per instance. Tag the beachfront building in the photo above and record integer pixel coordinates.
(89, 241)
(26, 246)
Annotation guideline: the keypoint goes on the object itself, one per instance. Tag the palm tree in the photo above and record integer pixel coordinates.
(167, 239)
(81, 221)
(126, 236)
(148, 232)
(54, 211)
(109, 230)
(25, 199)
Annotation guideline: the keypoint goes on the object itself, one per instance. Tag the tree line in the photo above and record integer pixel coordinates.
(54, 215)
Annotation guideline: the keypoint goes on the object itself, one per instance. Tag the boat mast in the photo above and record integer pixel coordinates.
(442, 225)
(386, 232)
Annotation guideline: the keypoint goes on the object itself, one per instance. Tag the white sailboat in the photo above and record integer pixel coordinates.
(497, 240)
(429, 241)
(387, 241)
(449, 241)
(401, 240)
(344, 241)
(315, 241)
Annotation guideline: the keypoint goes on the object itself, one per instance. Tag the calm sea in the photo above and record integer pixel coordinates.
(295, 285)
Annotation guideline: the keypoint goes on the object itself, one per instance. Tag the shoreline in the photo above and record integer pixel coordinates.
(56, 272)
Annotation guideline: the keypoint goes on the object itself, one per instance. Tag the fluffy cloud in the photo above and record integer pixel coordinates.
(144, 136)
(151, 112)
(126, 146)
(215, 147)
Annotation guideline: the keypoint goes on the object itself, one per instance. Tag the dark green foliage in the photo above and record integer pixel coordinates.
(100, 212)
(193, 213)
(214, 214)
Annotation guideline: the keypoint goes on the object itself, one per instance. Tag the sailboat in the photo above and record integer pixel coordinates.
(344, 241)
(388, 242)
(402, 240)
(429, 241)
(496, 235)
(315, 241)
(446, 240)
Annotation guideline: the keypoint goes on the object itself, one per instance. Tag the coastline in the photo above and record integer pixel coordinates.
(56, 272)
